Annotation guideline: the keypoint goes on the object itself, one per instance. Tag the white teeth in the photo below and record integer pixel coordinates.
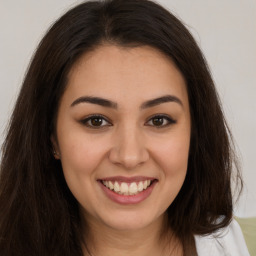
(140, 186)
(145, 184)
(116, 187)
(110, 185)
(124, 188)
(127, 188)
(133, 189)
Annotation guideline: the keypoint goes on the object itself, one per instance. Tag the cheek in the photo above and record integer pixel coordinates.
(80, 158)
(80, 154)
(173, 160)
(173, 156)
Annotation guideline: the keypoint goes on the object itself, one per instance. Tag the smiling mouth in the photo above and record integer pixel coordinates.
(124, 188)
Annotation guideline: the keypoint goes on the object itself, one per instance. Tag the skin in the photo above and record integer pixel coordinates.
(128, 143)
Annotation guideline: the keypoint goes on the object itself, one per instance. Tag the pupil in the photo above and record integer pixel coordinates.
(96, 121)
(158, 121)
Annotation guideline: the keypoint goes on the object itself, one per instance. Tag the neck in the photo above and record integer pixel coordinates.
(148, 241)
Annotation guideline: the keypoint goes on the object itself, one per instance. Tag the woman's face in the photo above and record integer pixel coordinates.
(123, 135)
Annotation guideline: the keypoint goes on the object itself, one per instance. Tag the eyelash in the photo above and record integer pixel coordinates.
(167, 119)
(91, 117)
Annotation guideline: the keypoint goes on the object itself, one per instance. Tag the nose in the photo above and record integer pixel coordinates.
(128, 149)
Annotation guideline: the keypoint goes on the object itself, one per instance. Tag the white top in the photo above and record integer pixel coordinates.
(227, 242)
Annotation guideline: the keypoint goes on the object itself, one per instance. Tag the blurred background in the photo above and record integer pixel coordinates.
(225, 31)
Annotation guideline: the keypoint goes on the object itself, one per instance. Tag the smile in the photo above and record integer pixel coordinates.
(127, 190)
(124, 188)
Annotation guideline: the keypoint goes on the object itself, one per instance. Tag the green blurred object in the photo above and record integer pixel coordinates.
(248, 226)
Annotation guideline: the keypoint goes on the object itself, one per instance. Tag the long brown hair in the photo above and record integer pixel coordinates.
(38, 213)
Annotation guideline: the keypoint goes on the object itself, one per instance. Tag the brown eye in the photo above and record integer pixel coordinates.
(160, 121)
(157, 121)
(95, 122)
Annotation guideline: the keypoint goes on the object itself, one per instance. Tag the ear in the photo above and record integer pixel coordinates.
(55, 147)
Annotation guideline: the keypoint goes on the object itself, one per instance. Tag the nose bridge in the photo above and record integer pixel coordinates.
(129, 148)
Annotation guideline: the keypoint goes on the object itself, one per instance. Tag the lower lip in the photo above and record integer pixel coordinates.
(128, 199)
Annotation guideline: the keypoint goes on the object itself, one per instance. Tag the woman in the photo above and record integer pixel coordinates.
(117, 144)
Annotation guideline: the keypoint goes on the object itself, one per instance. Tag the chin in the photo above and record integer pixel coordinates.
(129, 221)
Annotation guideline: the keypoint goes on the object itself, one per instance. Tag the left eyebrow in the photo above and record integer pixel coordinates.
(110, 104)
(160, 100)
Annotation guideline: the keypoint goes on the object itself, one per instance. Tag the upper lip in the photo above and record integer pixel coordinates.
(127, 179)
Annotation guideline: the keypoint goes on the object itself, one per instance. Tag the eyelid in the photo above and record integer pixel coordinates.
(88, 118)
(169, 119)
(164, 116)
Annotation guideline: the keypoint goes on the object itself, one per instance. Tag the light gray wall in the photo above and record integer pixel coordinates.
(225, 30)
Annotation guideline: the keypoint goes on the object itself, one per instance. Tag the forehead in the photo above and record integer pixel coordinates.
(121, 73)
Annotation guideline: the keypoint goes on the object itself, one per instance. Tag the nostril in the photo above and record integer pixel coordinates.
(129, 154)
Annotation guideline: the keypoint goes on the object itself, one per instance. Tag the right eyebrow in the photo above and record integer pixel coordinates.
(95, 100)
